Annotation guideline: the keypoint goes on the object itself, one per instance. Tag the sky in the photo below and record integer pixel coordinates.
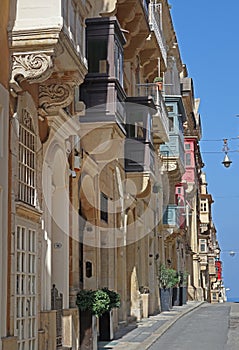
(208, 38)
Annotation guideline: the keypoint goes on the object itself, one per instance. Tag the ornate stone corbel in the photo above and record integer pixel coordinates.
(58, 92)
(34, 67)
(55, 96)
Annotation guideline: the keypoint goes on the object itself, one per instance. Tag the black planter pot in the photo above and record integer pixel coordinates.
(176, 296)
(180, 296)
(105, 326)
(86, 330)
(171, 298)
(165, 298)
(183, 295)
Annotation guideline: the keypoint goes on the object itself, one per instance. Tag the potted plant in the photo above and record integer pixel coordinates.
(159, 82)
(106, 319)
(167, 280)
(91, 304)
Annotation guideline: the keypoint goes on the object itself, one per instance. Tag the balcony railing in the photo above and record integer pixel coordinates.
(160, 119)
(155, 25)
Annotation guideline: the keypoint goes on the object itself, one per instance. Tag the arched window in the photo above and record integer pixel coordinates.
(27, 159)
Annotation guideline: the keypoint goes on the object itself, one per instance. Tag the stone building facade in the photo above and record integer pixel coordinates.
(101, 167)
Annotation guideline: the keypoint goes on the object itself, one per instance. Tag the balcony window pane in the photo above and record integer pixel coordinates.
(118, 63)
(188, 159)
(103, 207)
(171, 123)
(97, 53)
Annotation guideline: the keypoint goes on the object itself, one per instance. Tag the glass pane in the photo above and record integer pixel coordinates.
(23, 288)
(23, 307)
(19, 308)
(97, 51)
(23, 238)
(23, 262)
(18, 237)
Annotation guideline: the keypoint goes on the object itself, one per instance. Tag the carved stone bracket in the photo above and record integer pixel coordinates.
(56, 93)
(34, 67)
(55, 96)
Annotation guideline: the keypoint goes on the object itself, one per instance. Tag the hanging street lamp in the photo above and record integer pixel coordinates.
(226, 161)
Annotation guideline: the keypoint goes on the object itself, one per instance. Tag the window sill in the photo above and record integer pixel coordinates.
(27, 211)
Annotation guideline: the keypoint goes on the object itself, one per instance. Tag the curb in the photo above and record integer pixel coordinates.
(158, 333)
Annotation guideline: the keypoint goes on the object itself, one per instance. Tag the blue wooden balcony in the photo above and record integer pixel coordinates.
(171, 216)
(174, 149)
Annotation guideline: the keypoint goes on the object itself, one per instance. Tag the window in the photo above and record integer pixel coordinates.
(118, 63)
(26, 291)
(187, 146)
(103, 207)
(136, 130)
(73, 24)
(203, 206)
(139, 130)
(97, 54)
(188, 159)
(170, 109)
(27, 159)
(171, 123)
(203, 245)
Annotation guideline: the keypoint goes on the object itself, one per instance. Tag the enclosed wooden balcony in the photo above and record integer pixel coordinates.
(160, 125)
(139, 150)
(171, 216)
(49, 39)
(102, 91)
(174, 216)
(173, 151)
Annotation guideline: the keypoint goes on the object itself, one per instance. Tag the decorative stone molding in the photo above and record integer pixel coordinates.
(34, 67)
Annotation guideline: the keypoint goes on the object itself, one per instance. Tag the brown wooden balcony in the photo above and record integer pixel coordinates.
(160, 126)
(139, 150)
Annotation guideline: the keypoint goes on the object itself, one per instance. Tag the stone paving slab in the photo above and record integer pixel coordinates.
(144, 333)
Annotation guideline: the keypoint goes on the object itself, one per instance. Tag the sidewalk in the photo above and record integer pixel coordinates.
(143, 334)
(233, 332)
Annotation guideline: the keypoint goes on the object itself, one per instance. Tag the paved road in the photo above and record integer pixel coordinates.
(207, 328)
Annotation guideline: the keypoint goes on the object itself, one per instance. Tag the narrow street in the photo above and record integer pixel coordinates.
(213, 327)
